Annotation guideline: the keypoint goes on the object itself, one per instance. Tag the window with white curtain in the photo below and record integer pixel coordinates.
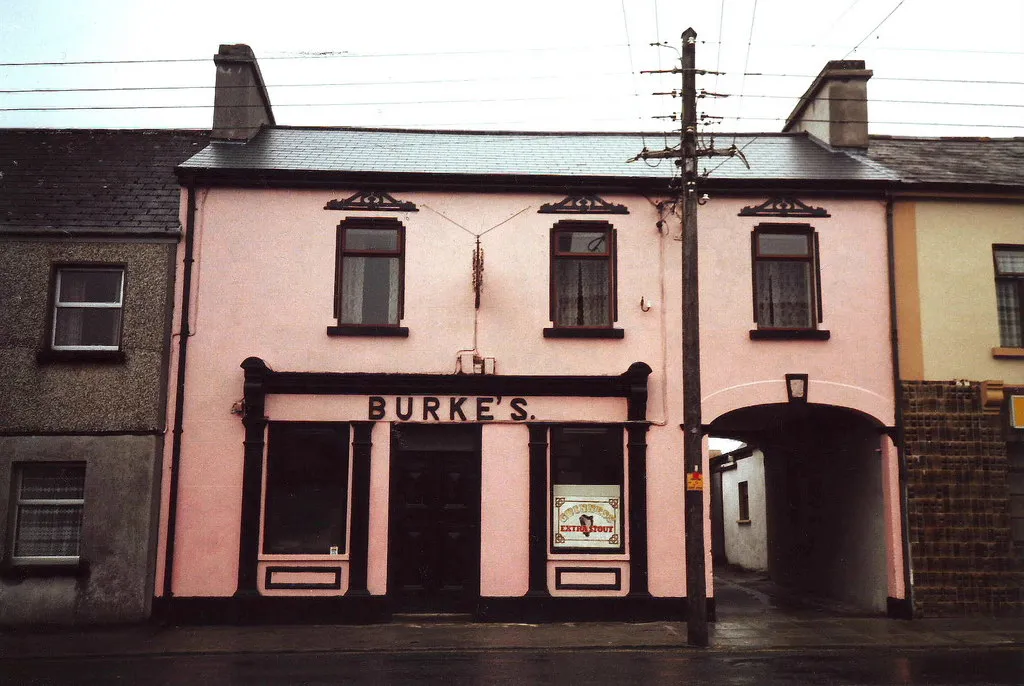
(48, 503)
(370, 271)
(583, 274)
(786, 287)
(1009, 263)
(87, 307)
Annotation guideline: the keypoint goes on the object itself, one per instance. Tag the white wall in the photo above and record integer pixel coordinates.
(746, 545)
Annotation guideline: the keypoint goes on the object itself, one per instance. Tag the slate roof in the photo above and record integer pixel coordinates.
(119, 181)
(998, 161)
(783, 157)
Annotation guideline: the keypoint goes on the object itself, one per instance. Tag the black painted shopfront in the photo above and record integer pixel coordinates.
(434, 536)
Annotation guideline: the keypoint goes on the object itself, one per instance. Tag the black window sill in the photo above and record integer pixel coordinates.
(790, 335)
(350, 330)
(47, 356)
(11, 571)
(560, 332)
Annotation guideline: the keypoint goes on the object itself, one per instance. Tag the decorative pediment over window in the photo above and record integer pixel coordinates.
(372, 201)
(582, 204)
(782, 206)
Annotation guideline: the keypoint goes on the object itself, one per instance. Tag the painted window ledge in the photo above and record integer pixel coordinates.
(790, 334)
(557, 332)
(345, 330)
(1008, 353)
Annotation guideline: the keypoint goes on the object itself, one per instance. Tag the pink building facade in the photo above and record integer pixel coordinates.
(422, 371)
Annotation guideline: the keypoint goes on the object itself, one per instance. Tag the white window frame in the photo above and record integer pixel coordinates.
(18, 502)
(58, 304)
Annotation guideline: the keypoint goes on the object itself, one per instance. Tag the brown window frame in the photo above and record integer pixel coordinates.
(1014, 277)
(610, 255)
(282, 468)
(743, 502)
(811, 258)
(615, 461)
(341, 252)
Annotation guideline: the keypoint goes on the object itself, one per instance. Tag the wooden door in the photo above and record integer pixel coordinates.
(434, 541)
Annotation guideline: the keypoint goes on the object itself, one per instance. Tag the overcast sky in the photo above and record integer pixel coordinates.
(523, 65)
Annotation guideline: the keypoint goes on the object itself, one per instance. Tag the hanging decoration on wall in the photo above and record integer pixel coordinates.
(783, 206)
(372, 201)
(478, 272)
(582, 204)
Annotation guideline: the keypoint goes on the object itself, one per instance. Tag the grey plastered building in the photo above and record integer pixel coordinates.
(89, 227)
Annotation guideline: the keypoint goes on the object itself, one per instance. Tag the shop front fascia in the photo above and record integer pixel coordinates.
(532, 549)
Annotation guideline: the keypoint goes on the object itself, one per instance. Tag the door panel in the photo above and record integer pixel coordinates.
(434, 551)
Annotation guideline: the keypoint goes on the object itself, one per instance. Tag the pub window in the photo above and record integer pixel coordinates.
(583, 275)
(1009, 264)
(48, 503)
(87, 305)
(743, 499)
(787, 291)
(586, 488)
(370, 273)
(306, 500)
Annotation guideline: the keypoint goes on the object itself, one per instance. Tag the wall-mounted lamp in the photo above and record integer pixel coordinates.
(796, 388)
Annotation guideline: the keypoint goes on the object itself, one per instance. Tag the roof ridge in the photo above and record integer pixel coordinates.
(508, 132)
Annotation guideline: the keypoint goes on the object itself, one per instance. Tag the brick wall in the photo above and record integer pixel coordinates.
(958, 505)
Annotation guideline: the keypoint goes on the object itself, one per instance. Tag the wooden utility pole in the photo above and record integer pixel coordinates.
(693, 435)
(693, 431)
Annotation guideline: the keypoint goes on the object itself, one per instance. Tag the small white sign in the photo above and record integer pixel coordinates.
(334, 550)
(587, 516)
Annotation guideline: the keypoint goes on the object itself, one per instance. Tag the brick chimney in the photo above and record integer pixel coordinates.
(835, 108)
(241, 104)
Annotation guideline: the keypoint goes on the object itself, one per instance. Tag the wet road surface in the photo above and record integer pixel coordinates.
(590, 667)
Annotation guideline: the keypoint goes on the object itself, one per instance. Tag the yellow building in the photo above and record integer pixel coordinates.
(957, 232)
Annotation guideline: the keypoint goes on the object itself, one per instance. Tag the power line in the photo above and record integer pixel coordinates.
(898, 78)
(881, 48)
(894, 123)
(433, 102)
(876, 100)
(746, 62)
(449, 53)
(872, 31)
(114, 89)
(840, 17)
(718, 54)
(592, 96)
(315, 56)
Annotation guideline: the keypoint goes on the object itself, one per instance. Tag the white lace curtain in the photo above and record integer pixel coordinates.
(582, 295)
(784, 295)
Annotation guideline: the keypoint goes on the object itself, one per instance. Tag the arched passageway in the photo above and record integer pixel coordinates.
(824, 501)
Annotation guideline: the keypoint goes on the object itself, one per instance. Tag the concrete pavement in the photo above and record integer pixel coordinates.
(726, 635)
(753, 615)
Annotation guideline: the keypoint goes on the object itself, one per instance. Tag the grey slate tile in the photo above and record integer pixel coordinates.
(92, 178)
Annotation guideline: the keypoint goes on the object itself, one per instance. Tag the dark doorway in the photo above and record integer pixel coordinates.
(434, 540)
(822, 506)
